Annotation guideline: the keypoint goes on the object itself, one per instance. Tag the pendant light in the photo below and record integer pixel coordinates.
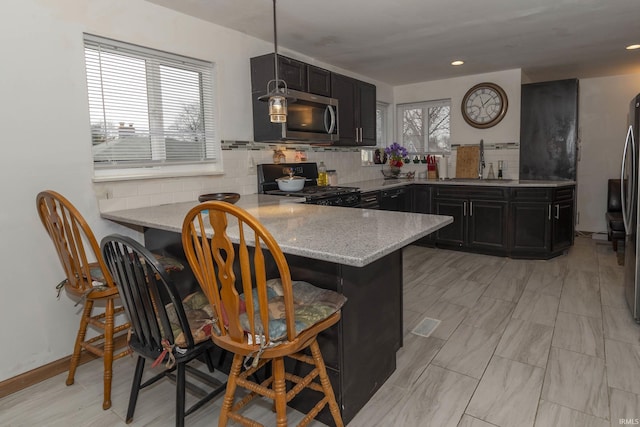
(276, 96)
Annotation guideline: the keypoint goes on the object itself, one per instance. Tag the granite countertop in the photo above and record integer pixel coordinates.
(381, 184)
(349, 236)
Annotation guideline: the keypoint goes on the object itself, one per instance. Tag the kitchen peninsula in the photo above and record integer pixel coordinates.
(357, 252)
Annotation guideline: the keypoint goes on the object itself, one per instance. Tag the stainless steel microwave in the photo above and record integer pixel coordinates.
(311, 118)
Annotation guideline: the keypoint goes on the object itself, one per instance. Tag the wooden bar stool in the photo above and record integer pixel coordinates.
(89, 282)
(259, 320)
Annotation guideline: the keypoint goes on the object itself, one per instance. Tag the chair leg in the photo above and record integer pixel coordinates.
(180, 394)
(326, 384)
(77, 348)
(280, 390)
(229, 395)
(615, 245)
(135, 388)
(108, 353)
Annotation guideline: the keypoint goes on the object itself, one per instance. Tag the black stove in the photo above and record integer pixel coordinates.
(313, 194)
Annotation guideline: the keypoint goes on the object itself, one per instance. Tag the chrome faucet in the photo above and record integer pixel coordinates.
(481, 163)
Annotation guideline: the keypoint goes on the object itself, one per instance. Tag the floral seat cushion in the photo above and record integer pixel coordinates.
(199, 315)
(311, 305)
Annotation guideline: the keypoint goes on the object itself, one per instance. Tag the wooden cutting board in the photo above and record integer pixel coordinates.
(467, 161)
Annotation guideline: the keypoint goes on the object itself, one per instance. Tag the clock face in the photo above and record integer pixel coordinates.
(484, 105)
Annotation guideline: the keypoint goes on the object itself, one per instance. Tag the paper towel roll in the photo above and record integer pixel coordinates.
(443, 167)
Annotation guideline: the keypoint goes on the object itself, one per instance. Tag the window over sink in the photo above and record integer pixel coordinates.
(149, 110)
(424, 127)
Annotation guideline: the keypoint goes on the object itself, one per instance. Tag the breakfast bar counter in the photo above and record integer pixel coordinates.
(347, 236)
(356, 252)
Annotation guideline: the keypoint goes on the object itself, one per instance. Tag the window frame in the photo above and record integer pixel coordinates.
(400, 108)
(382, 130)
(158, 165)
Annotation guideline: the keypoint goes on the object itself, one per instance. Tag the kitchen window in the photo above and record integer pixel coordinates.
(423, 127)
(148, 109)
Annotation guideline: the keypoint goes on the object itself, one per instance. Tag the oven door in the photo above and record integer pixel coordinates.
(312, 118)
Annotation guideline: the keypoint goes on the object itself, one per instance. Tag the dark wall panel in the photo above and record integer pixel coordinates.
(548, 130)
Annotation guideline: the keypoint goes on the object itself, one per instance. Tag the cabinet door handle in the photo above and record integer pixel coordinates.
(471, 208)
(558, 211)
(464, 208)
(360, 137)
(549, 211)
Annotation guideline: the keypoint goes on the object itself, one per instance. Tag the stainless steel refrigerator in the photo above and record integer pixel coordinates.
(630, 204)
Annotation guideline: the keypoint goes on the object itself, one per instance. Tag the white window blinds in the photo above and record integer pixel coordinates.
(148, 107)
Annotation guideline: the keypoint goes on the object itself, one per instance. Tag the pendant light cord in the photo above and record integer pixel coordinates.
(275, 47)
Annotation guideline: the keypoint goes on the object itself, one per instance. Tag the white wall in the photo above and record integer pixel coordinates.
(44, 114)
(508, 130)
(603, 114)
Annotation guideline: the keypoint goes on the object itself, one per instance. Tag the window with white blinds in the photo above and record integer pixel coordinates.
(147, 107)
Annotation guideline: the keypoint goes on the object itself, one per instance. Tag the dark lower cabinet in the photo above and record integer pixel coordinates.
(421, 199)
(395, 199)
(370, 200)
(541, 222)
(520, 222)
(530, 228)
(487, 225)
(452, 235)
(479, 218)
(562, 225)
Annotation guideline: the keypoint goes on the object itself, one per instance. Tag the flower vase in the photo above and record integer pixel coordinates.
(395, 170)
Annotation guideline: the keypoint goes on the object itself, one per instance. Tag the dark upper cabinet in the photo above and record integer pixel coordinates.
(366, 96)
(356, 110)
(297, 74)
(343, 89)
(293, 72)
(549, 130)
(318, 81)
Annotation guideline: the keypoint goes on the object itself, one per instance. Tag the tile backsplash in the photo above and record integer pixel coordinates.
(240, 160)
(239, 176)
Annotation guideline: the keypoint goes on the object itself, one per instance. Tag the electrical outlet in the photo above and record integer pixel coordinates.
(104, 193)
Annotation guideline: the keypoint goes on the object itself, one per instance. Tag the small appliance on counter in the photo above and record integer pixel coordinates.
(268, 174)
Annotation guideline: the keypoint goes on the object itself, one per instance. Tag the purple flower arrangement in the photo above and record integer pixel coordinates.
(397, 153)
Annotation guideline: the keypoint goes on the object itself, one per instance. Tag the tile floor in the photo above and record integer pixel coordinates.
(520, 343)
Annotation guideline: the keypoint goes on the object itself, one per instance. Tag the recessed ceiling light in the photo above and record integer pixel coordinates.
(633, 46)
(458, 62)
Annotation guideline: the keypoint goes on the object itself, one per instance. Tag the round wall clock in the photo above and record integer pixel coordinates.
(484, 105)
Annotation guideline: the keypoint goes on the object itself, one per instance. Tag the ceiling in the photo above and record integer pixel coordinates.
(406, 41)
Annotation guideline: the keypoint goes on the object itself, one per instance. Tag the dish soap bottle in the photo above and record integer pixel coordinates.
(491, 175)
(322, 175)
